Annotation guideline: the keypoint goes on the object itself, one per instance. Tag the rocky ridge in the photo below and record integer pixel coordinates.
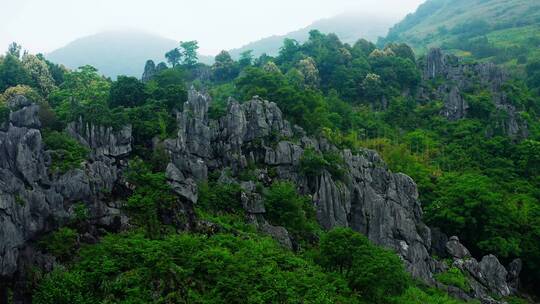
(34, 200)
(453, 78)
(368, 197)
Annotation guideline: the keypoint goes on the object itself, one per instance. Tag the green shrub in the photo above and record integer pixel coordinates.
(454, 277)
(418, 295)
(363, 264)
(187, 268)
(313, 164)
(62, 287)
(151, 198)
(61, 243)
(285, 207)
(67, 154)
(220, 198)
(81, 212)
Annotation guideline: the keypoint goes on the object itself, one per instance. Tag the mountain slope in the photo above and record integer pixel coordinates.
(114, 53)
(501, 30)
(349, 27)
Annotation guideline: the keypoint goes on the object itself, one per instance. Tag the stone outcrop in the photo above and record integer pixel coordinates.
(253, 136)
(150, 70)
(368, 198)
(102, 141)
(34, 200)
(458, 77)
(487, 278)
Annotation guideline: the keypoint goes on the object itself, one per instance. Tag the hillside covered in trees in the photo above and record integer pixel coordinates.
(330, 173)
(504, 32)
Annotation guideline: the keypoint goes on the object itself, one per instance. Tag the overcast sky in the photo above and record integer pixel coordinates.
(44, 25)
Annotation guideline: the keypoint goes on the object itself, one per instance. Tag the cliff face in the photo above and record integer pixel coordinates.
(34, 201)
(454, 78)
(367, 197)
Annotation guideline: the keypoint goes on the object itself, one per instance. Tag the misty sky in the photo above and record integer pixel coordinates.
(44, 25)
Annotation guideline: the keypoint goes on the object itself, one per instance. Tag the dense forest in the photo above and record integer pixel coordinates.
(475, 179)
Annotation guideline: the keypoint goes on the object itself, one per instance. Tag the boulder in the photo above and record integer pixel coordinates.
(495, 275)
(456, 250)
(149, 71)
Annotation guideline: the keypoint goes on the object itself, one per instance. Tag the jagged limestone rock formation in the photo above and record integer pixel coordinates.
(35, 201)
(367, 197)
(370, 199)
(151, 70)
(488, 277)
(458, 78)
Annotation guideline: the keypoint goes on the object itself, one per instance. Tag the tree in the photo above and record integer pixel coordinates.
(246, 58)
(372, 88)
(308, 67)
(285, 207)
(127, 92)
(271, 67)
(14, 50)
(173, 57)
(402, 50)
(189, 52)
(39, 72)
(12, 73)
(362, 264)
(224, 67)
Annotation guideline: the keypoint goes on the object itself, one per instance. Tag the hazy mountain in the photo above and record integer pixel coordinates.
(115, 53)
(349, 27)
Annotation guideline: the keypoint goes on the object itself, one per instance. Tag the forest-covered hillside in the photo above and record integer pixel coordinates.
(504, 32)
(330, 173)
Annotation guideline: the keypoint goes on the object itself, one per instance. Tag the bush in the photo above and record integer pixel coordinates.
(313, 164)
(67, 154)
(129, 268)
(418, 295)
(61, 287)
(454, 277)
(363, 264)
(285, 207)
(127, 92)
(220, 198)
(61, 243)
(151, 199)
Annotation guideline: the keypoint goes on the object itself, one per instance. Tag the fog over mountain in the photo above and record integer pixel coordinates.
(349, 27)
(116, 52)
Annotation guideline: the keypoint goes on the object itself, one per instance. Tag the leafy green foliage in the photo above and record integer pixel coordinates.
(152, 197)
(67, 152)
(285, 207)
(219, 198)
(454, 277)
(61, 243)
(189, 268)
(127, 92)
(13, 73)
(313, 164)
(362, 264)
(422, 295)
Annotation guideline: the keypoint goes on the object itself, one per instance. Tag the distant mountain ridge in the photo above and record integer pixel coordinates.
(349, 27)
(115, 53)
(125, 52)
